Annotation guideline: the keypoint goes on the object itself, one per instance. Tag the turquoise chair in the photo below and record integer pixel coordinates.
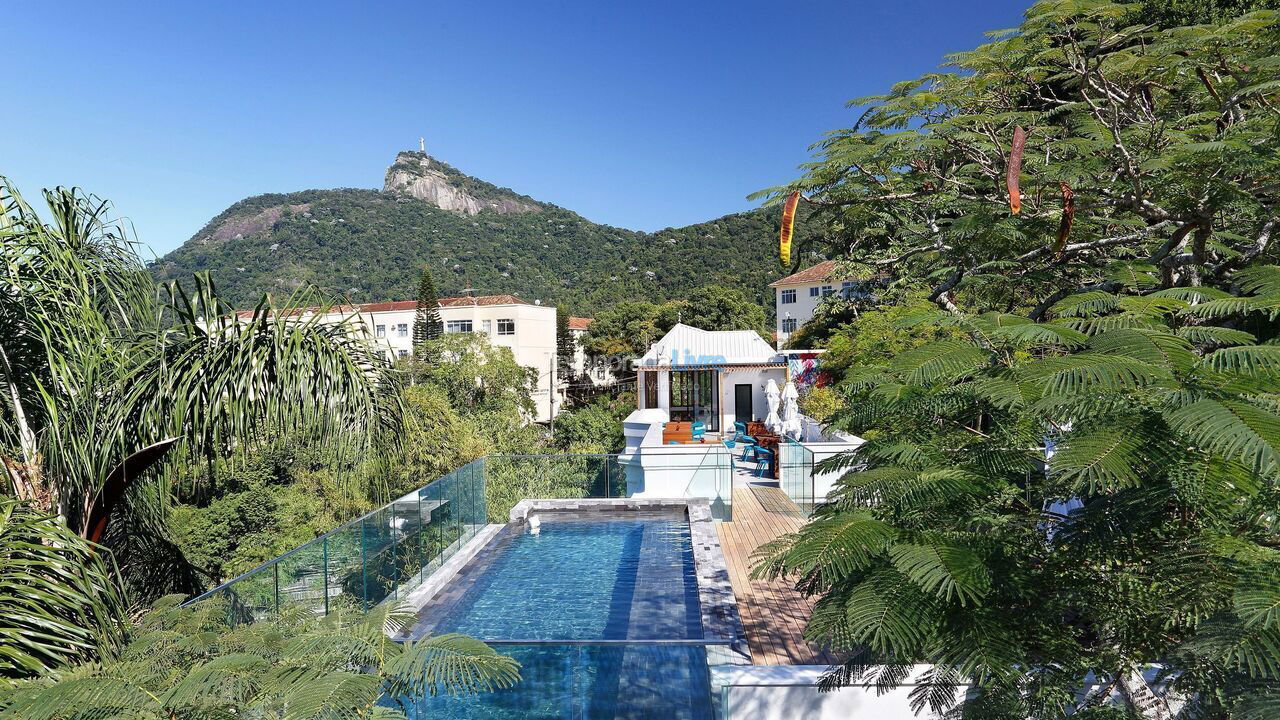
(698, 430)
(764, 462)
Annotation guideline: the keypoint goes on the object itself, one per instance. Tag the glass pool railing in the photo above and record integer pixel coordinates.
(795, 464)
(379, 556)
(370, 559)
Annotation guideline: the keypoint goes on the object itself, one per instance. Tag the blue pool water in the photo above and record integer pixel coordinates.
(606, 584)
(624, 579)
(589, 682)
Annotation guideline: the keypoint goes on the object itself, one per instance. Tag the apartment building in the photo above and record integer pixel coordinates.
(527, 328)
(797, 296)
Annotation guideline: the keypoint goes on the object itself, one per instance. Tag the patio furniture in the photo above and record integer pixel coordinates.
(699, 429)
(679, 433)
(764, 462)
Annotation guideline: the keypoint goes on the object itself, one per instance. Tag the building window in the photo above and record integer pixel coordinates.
(402, 330)
(695, 396)
(788, 296)
(486, 327)
(789, 325)
(507, 327)
(600, 372)
(457, 326)
(380, 331)
(826, 290)
(813, 291)
(402, 353)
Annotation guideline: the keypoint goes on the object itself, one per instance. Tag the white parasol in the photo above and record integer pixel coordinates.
(774, 399)
(791, 411)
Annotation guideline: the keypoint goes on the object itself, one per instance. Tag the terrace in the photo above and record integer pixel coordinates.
(620, 582)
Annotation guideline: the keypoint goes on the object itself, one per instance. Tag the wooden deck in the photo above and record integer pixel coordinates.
(773, 614)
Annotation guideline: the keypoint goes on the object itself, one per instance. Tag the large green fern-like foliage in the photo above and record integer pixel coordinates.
(192, 663)
(1032, 508)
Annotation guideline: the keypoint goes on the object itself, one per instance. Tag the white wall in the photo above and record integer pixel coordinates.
(791, 692)
(600, 375)
(758, 378)
(802, 309)
(533, 344)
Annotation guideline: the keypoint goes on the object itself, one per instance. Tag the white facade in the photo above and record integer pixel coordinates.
(797, 296)
(599, 373)
(528, 329)
(722, 363)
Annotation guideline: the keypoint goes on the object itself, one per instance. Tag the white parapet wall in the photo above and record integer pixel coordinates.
(789, 692)
(655, 470)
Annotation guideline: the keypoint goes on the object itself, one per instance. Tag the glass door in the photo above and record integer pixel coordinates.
(695, 395)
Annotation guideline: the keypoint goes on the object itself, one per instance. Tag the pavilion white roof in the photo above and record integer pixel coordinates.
(685, 345)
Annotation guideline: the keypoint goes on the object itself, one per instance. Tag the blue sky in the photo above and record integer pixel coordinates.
(641, 115)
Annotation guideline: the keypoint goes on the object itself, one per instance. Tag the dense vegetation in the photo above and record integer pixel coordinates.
(1073, 443)
(120, 399)
(628, 328)
(367, 245)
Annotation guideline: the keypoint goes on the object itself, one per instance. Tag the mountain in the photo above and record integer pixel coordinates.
(367, 245)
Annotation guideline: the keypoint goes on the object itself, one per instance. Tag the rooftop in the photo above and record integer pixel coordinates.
(402, 305)
(825, 270)
(688, 345)
(579, 323)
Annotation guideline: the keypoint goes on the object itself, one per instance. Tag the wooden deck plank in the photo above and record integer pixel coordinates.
(773, 613)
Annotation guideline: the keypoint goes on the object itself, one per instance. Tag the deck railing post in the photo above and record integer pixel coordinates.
(325, 577)
(276, 571)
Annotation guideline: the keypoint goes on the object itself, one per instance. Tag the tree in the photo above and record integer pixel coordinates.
(190, 663)
(630, 327)
(1078, 488)
(64, 604)
(716, 307)
(566, 346)
(595, 427)
(426, 321)
(1068, 155)
(1047, 500)
(477, 375)
(104, 373)
(109, 381)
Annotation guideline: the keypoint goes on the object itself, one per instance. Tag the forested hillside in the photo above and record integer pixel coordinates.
(367, 245)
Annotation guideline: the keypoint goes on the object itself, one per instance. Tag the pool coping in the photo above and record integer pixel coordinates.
(720, 620)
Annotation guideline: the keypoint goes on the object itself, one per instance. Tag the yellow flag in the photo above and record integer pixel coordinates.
(788, 226)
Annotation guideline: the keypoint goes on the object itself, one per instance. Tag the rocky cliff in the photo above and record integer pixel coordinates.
(418, 175)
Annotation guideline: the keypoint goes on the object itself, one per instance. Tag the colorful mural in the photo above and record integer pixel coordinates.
(806, 371)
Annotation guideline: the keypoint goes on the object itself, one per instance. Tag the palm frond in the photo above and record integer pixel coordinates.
(1247, 359)
(1085, 304)
(945, 570)
(1233, 429)
(1154, 348)
(940, 361)
(450, 663)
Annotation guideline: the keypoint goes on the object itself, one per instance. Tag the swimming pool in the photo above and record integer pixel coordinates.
(601, 609)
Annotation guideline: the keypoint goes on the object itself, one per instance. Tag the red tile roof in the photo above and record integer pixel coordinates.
(818, 273)
(577, 323)
(412, 305)
(482, 300)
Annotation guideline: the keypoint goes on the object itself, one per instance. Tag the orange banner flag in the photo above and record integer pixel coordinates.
(1014, 170)
(788, 227)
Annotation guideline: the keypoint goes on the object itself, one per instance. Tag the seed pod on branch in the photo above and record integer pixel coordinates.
(1064, 226)
(1015, 169)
